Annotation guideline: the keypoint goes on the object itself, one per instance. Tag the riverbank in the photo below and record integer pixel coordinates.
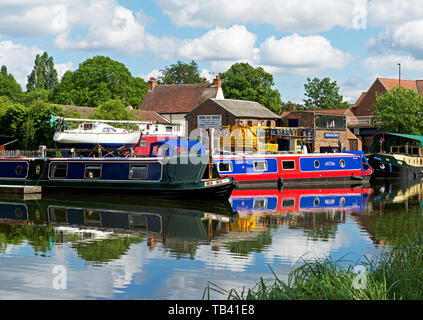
(396, 275)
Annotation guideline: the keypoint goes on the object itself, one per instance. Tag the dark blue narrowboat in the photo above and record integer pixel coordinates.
(178, 176)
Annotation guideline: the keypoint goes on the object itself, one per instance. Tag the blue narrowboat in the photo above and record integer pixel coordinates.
(178, 176)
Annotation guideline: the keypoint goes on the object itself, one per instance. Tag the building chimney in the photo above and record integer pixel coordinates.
(152, 84)
(217, 82)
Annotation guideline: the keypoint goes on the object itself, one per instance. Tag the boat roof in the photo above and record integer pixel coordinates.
(408, 136)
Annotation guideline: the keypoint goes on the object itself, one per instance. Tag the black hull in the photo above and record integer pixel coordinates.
(383, 170)
(218, 192)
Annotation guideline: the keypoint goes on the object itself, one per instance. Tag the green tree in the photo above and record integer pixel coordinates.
(9, 87)
(43, 75)
(399, 110)
(111, 110)
(323, 94)
(181, 73)
(244, 82)
(98, 80)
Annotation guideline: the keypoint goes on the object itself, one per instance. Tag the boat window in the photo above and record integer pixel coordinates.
(93, 171)
(316, 164)
(402, 149)
(138, 171)
(288, 203)
(18, 170)
(59, 170)
(143, 143)
(260, 203)
(288, 165)
(316, 202)
(342, 163)
(260, 165)
(225, 167)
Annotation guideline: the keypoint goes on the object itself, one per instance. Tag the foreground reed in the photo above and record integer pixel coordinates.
(396, 275)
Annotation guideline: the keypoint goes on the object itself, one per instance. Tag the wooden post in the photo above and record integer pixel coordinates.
(210, 153)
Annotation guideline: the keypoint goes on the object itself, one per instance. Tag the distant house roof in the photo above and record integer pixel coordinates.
(178, 98)
(359, 99)
(243, 108)
(392, 83)
(149, 116)
(140, 114)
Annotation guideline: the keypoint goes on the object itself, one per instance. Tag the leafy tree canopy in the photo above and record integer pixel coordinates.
(98, 80)
(9, 87)
(399, 110)
(43, 75)
(244, 82)
(323, 94)
(112, 110)
(181, 73)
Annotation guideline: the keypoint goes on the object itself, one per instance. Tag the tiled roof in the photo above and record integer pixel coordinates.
(177, 98)
(245, 109)
(149, 116)
(359, 99)
(392, 83)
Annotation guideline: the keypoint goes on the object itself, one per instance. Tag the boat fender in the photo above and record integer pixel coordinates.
(280, 183)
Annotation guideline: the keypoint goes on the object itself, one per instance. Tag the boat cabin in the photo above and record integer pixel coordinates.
(411, 145)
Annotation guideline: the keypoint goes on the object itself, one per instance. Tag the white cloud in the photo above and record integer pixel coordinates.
(235, 42)
(33, 18)
(392, 13)
(153, 74)
(300, 55)
(406, 38)
(290, 15)
(61, 68)
(387, 64)
(18, 59)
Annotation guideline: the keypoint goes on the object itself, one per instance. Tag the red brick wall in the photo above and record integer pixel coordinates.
(364, 107)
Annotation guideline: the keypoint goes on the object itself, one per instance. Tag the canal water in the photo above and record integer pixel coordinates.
(63, 247)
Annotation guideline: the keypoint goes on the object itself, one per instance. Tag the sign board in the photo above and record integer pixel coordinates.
(212, 121)
(331, 135)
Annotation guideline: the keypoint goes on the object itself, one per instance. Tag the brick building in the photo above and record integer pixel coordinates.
(329, 127)
(174, 101)
(232, 112)
(362, 126)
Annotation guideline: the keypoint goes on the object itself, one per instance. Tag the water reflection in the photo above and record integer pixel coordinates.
(109, 221)
(145, 248)
(395, 212)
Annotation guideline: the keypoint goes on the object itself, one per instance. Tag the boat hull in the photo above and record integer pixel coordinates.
(146, 177)
(387, 166)
(293, 170)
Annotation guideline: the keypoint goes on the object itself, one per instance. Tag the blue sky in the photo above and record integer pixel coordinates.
(350, 41)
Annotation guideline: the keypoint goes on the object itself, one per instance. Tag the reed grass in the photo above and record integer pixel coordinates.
(397, 274)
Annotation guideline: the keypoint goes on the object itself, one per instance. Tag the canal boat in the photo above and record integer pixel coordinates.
(178, 176)
(280, 169)
(395, 155)
(291, 170)
(299, 200)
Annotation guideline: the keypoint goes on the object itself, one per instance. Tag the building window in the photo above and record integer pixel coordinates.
(330, 122)
(92, 171)
(225, 167)
(293, 123)
(288, 165)
(260, 166)
(138, 171)
(59, 170)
